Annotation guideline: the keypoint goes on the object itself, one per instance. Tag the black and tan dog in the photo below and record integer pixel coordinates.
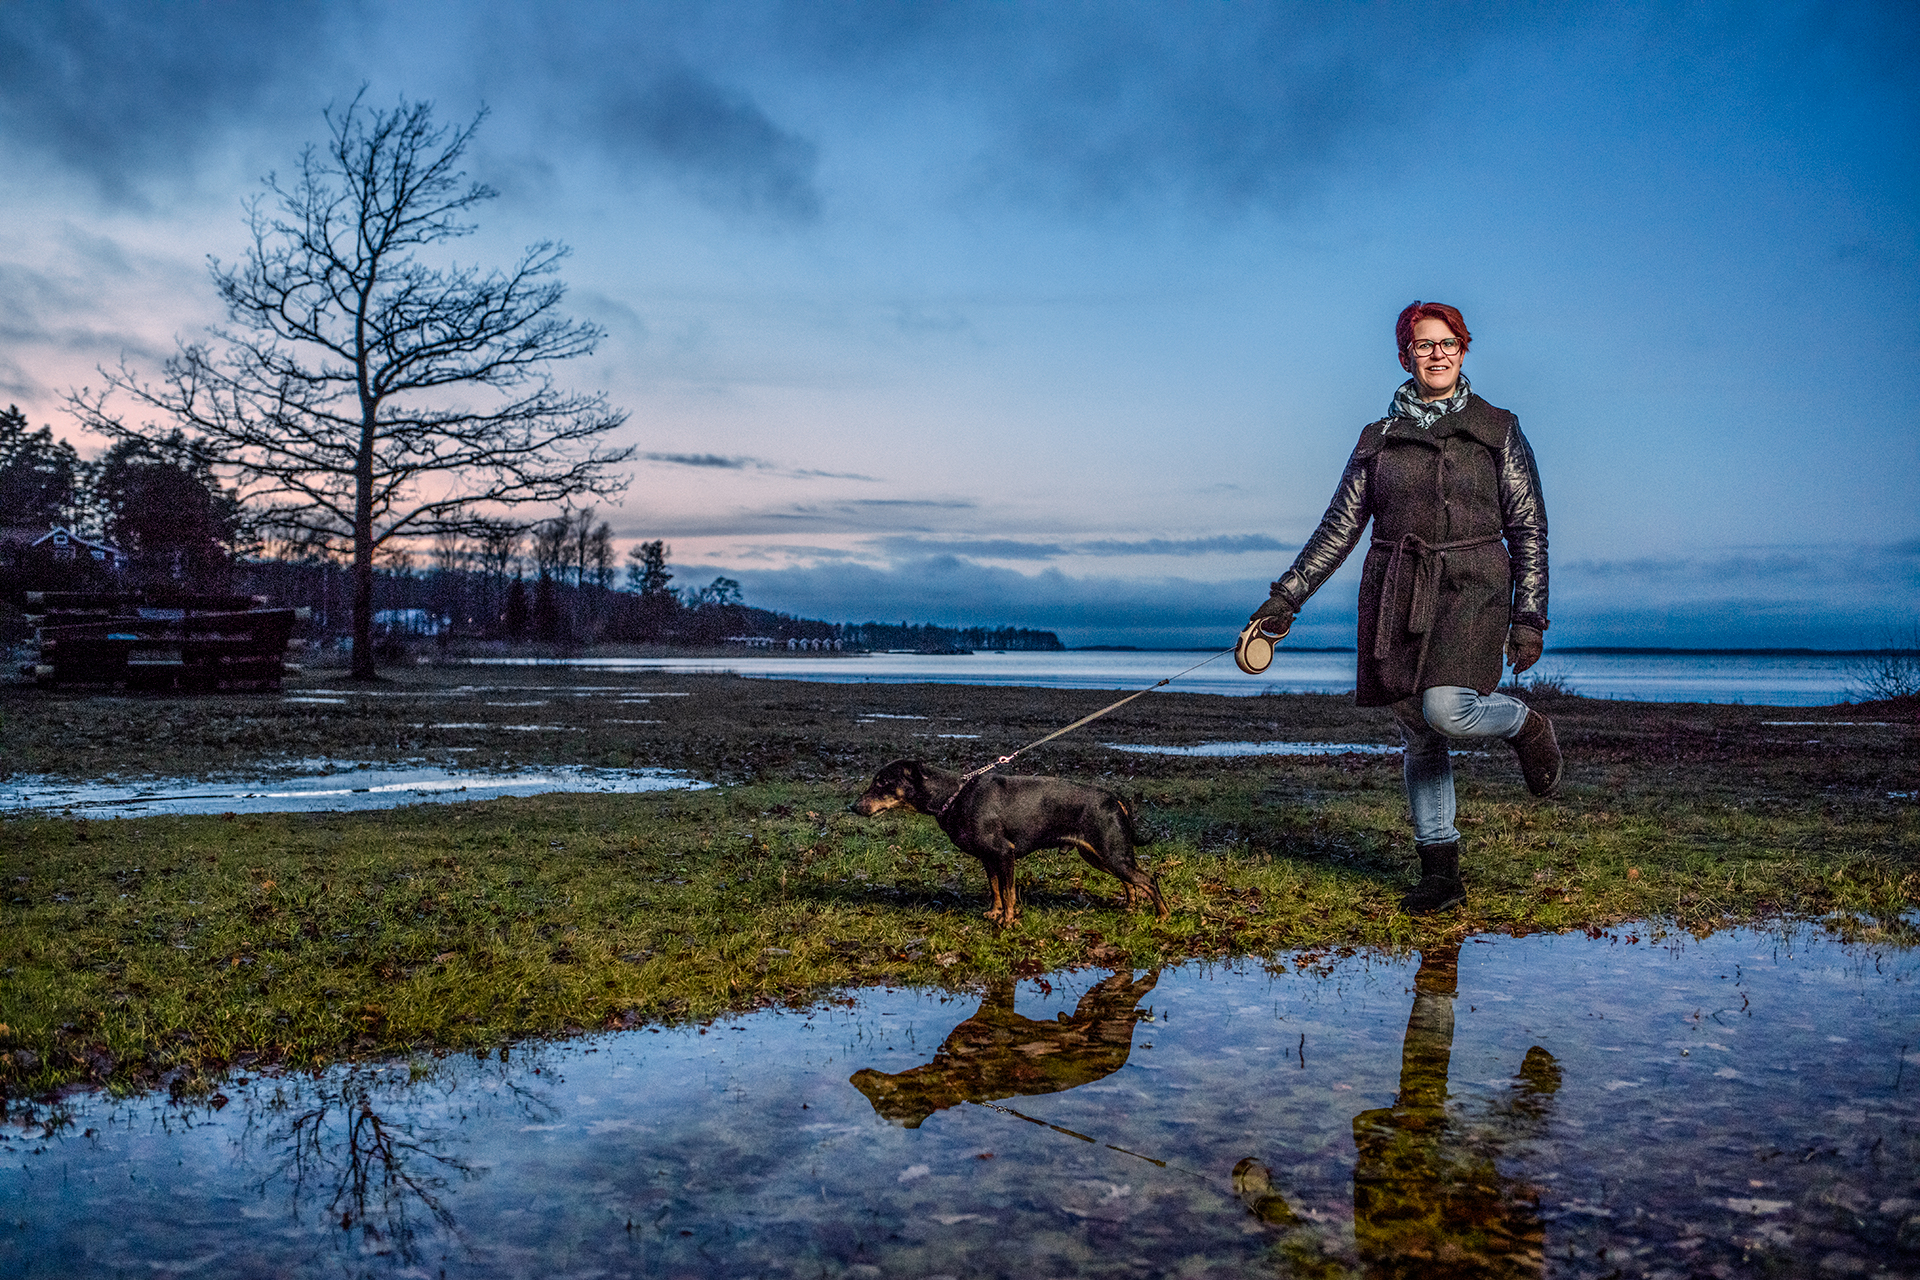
(1000, 819)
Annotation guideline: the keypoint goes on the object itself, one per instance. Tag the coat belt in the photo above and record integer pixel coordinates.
(1414, 555)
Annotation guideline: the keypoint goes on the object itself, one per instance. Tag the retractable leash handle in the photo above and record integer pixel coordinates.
(1253, 652)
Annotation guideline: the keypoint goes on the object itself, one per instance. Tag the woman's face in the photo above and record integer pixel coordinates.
(1437, 372)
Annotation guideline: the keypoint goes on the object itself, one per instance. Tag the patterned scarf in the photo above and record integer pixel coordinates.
(1408, 404)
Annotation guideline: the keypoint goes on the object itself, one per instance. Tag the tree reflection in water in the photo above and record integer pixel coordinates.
(1429, 1199)
(384, 1177)
(997, 1053)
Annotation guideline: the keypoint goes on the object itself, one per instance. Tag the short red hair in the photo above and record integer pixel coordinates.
(1418, 311)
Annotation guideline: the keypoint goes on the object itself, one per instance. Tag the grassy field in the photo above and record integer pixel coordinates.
(161, 951)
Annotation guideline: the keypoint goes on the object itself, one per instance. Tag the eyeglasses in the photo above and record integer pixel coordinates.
(1424, 347)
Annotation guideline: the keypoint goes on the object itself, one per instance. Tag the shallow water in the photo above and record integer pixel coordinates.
(1781, 680)
(1293, 672)
(1746, 1104)
(344, 789)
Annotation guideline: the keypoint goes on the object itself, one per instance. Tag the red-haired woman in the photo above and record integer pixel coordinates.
(1456, 571)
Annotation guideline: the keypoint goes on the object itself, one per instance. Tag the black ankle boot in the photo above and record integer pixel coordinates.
(1539, 754)
(1440, 886)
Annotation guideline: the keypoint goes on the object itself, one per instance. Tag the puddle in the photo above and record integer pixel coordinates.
(1748, 1104)
(475, 690)
(1261, 749)
(510, 728)
(348, 789)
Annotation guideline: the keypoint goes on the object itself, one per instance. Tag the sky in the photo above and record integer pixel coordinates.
(1067, 315)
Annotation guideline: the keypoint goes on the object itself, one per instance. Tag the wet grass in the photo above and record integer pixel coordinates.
(158, 951)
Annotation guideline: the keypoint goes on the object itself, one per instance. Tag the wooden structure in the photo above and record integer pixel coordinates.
(195, 642)
(60, 543)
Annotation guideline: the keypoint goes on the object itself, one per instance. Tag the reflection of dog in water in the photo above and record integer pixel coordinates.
(999, 819)
(999, 1054)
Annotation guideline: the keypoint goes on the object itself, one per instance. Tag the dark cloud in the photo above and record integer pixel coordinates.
(717, 142)
(1094, 105)
(940, 504)
(121, 91)
(856, 515)
(1011, 549)
(702, 460)
(1162, 613)
(978, 548)
(1224, 544)
(1766, 623)
(810, 474)
(1869, 566)
(1835, 596)
(744, 463)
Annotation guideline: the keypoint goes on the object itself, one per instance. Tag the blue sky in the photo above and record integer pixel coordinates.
(1067, 315)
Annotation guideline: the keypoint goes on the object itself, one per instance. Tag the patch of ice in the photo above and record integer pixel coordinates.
(1259, 749)
(518, 728)
(347, 789)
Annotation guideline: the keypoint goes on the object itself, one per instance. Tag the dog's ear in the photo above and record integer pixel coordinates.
(916, 772)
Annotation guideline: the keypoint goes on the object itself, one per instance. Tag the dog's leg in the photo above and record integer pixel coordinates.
(1117, 861)
(997, 887)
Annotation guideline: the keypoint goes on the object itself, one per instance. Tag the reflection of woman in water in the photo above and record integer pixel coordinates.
(1428, 1199)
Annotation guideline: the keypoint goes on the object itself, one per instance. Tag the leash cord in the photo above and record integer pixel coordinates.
(1008, 758)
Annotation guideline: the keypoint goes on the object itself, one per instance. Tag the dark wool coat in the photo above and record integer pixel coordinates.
(1438, 588)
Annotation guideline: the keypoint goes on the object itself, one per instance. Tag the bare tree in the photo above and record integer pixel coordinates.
(362, 395)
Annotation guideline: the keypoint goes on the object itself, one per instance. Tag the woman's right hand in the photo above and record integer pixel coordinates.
(1275, 617)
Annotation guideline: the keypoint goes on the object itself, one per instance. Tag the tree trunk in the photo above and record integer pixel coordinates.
(363, 558)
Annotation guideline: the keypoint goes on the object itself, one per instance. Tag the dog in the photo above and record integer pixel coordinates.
(999, 819)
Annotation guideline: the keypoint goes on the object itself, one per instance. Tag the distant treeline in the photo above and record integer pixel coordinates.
(444, 604)
(469, 604)
(917, 638)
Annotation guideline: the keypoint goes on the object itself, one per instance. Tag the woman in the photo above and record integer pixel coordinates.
(1447, 479)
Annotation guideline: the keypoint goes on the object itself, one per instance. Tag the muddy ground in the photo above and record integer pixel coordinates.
(731, 730)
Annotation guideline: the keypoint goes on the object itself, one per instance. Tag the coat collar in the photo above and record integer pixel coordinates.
(1476, 418)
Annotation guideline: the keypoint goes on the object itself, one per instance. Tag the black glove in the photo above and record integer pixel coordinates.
(1523, 646)
(1275, 617)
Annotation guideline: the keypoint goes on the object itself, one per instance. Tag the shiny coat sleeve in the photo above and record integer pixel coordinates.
(1339, 530)
(1523, 519)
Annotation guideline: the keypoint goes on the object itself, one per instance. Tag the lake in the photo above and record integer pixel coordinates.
(1781, 680)
(1625, 1104)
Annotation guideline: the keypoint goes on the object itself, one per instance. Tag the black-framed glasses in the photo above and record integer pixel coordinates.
(1424, 347)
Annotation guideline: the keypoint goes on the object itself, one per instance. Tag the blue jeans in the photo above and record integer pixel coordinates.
(1426, 723)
